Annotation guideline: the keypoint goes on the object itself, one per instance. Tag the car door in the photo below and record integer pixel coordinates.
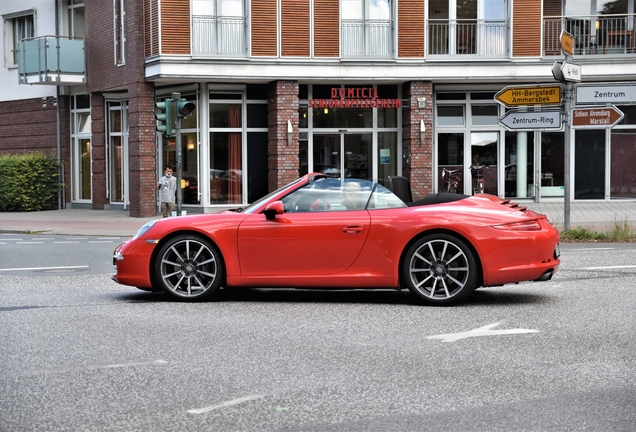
(322, 231)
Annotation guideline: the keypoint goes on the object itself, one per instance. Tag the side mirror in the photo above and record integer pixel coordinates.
(274, 209)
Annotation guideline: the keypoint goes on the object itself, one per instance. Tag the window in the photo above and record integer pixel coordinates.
(218, 27)
(366, 28)
(80, 148)
(119, 32)
(76, 22)
(473, 27)
(18, 26)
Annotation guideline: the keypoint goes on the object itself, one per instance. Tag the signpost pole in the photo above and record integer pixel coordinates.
(567, 116)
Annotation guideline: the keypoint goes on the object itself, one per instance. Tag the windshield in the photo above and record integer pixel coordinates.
(256, 204)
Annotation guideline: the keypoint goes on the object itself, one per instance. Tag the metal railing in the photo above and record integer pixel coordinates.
(366, 38)
(484, 38)
(219, 35)
(592, 34)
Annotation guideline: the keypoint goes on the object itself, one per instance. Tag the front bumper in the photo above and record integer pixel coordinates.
(132, 260)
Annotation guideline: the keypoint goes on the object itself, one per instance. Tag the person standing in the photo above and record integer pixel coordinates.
(167, 187)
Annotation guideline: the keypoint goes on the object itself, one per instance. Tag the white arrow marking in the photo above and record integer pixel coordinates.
(481, 331)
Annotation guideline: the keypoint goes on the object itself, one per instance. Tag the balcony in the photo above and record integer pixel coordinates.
(594, 35)
(51, 60)
(366, 38)
(476, 38)
(219, 36)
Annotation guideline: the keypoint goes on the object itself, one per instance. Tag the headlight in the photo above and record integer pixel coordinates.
(144, 229)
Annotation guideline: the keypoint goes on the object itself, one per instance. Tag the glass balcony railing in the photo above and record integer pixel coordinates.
(52, 60)
(593, 34)
(467, 37)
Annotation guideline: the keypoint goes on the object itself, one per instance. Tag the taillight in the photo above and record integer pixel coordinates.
(529, 225)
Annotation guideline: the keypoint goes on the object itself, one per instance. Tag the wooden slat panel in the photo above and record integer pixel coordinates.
(551, 8)
(175, 26)
(263, 18)
(151, 27)
(526, 28)
(326, 28)
(295, 28)
(411, 28)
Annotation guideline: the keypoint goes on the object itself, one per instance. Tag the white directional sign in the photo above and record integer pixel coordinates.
(603, 94)
(571, 72)
(481, 331)
(515, 120)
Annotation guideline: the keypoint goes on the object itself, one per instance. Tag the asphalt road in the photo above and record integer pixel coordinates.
(81, 353)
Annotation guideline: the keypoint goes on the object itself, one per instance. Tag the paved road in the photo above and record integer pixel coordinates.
(80, 352)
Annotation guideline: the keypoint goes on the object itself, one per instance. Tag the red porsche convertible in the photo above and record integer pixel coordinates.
(326, 232)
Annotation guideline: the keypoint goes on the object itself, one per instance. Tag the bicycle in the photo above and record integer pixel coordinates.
(478, 178)
(452, 183)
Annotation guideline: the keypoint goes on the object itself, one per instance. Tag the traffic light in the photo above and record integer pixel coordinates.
(185, 108)
(164, 116)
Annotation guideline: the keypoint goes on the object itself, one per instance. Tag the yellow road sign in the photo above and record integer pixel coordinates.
(567, 43)
(529, 95)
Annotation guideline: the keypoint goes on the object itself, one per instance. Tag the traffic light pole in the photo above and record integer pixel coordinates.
(177, 124)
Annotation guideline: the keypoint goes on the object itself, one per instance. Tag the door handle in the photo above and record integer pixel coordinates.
(352, 229)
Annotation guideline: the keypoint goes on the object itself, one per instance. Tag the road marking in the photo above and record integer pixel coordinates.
(66, 242)
(590, 249)
(88, 368)
(481, 331)
(41, 268)
(226, 404)
(32, 242)
(101, 241)
(609, 267)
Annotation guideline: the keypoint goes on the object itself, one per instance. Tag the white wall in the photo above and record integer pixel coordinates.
(44, 26)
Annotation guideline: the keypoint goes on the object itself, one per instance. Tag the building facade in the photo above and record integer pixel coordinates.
(361, 88)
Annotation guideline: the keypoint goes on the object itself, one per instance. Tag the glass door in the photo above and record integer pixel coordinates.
(351, 151)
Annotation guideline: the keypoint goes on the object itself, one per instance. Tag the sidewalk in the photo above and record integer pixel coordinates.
(597, 216)
(109, 223)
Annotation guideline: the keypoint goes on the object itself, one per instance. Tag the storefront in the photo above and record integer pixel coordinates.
(342, 129)
(529, 164)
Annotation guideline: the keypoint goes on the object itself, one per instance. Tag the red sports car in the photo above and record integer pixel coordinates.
(326, 232)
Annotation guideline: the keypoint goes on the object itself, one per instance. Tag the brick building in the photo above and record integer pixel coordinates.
(282, 88)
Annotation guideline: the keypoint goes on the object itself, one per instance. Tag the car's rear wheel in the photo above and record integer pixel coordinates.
(189, 268)
(440, 269)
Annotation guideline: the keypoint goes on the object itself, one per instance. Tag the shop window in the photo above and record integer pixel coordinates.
(483, 115)
(589, 164)
(450, 115)
(518, 164)
(623, 163)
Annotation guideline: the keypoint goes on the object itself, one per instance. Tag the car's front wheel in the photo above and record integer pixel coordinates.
(189, 268)
(440, 269)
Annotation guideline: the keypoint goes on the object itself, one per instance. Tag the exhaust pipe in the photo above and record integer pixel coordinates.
(545, 276)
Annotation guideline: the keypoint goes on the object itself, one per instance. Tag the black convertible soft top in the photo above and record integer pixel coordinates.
(437, 198)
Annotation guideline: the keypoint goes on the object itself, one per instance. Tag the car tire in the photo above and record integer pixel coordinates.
(188, 267)
(439, 269)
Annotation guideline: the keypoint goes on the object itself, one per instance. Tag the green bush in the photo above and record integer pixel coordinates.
(29, 182)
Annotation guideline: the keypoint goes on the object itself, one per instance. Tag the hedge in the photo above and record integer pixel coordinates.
(29, 182)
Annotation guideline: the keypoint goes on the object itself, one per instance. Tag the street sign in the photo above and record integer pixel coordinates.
(604, 94)
(515, 120)
(567, 43)
(596, 117)
(571, 72)
(529, 95)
